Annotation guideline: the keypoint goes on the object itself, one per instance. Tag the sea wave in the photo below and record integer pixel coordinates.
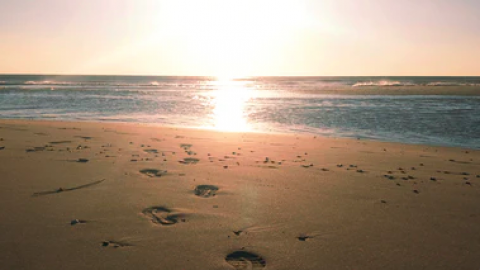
(452, 84)
(46, 83)
(405, 83)
(288, 83)
(383, 83)
(86, 83)
(154, 84)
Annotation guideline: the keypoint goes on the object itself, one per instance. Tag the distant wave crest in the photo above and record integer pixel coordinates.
(452, 84)
(383, 83)
(261, 83)
(405, 83)
(103, 83)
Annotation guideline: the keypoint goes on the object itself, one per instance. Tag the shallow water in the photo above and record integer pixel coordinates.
(278, 104)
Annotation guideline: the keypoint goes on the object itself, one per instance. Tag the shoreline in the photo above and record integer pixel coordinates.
(303, 134)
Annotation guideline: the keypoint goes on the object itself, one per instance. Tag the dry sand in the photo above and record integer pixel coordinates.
(131, 196)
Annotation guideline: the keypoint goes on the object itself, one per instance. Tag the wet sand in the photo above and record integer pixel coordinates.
(132, 196)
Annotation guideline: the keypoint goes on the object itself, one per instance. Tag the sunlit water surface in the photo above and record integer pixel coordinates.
(279, 104)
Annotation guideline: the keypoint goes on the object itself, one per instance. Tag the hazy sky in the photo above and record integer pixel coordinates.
(237, 38)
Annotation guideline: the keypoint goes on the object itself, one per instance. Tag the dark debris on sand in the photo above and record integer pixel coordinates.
(59, 190)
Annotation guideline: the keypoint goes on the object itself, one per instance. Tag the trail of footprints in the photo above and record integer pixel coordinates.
(164, 216)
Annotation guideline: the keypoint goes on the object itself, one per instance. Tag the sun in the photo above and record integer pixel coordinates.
(232, 38)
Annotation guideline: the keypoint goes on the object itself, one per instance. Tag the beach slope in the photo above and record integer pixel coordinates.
(131, 196)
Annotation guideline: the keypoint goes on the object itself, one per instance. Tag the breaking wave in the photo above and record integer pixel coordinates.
(383, 83)
(406, 83)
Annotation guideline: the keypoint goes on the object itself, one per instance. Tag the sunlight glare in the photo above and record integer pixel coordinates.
(230, 100)
(227, 37)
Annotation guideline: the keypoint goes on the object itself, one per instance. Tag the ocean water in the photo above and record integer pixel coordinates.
(328, 106)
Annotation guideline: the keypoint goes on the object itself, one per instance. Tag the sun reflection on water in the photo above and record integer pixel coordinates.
(229, 101)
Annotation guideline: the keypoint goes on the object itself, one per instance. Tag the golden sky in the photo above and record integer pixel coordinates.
(241, 38)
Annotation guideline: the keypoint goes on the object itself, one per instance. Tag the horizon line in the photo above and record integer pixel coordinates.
(240, 77)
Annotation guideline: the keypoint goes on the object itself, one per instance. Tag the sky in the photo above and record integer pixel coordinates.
(230, 38)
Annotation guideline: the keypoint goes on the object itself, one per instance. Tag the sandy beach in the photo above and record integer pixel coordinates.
(78, 195)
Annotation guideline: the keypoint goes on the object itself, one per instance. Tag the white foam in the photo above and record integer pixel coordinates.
(383, 83)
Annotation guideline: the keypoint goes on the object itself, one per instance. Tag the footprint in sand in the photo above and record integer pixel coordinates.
(153, 172)
(162, 215)
(189, 161)
(305, 237)
(115, 244)
(245, 260)
(60, 142)
(37, 149)
(390, 177)
(205, 191)
(84, 137)
(77, 221)
(254, 229)
(151, 151)
(185, 145)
